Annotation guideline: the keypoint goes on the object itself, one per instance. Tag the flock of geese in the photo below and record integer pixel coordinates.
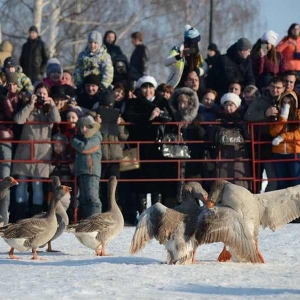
(231, 214)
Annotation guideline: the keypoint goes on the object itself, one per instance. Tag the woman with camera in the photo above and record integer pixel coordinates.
(266, 61)
(42, 110)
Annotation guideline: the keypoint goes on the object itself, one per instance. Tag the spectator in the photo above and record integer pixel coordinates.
(266, 61)
(54, 72)
(290, 78)
(286, 142)
(192, 81)
(40, 108)
(166, 90)
(109, 40)
(235, 64)
(212, 57)
(120, 96)
(249, 94)
(94, 60)
(236, 170)
(235, 87)
(88, 165)
(9, 105)
(6, 50)
(290, 48)
(34, 56)
(186, 58)
(67, 78)
(24, 82)
(139, 57)
(265, 108)
(297, 88)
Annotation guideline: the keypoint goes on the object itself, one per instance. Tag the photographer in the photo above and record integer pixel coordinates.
(40, 108)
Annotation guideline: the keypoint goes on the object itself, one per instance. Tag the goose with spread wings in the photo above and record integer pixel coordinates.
(269, 210)
(179, 232)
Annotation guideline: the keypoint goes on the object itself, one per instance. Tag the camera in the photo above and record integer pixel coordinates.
(40, 100)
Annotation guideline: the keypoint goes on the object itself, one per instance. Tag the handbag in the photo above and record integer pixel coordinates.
(229, 136)
(129, 161)
(174, 150)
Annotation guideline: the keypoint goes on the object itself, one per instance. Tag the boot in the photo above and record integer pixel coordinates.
(155, 197)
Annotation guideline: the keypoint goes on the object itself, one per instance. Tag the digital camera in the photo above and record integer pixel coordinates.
(40, 100)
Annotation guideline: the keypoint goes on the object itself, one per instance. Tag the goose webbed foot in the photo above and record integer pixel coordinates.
(224, 255)
(11, 254)
(49, 249)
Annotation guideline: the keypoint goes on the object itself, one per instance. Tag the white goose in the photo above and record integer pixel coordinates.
(179, 233)
(5, 185)
(98, 230)
(272, 209)
(32, 233)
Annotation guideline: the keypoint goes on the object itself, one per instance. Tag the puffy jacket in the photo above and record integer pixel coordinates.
(287, 48)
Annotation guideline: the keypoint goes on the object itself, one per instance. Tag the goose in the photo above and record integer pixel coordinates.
(34, 232)
(269, 210)
(179, 233)
(98, 230)
(61, 214)
(5, 185)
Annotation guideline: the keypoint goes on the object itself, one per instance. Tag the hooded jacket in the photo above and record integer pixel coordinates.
(112, 49)
(291, 137)
(6, 50)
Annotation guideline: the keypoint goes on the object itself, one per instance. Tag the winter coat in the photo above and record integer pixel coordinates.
(287, 48)
(211, 62)
(291, 136)
(86, 101)
(34, 57)
(112, 49)
(179, 66)
(88, 152)
(9, 106)
(98, 63)
(229, 67)
(24, 82)
(35, 132)
(139, 60)
(6, 50)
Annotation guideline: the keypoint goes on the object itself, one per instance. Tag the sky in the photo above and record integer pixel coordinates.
(278, 15)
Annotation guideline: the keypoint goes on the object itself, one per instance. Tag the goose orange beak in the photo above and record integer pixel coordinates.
(209, 204)
(67, 189)
(14, 181)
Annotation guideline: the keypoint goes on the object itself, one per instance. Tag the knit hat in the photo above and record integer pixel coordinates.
(146, 79)
(212, 47)
(53, 65)
(95, 36)
(9, 62)
(87, 121)
(270, 36)
(231, 97)
(191, 35)
(11, 77)
(75, 109)
(107, 98)
(243, 44)
(59, 137)
(34, 29)
(92, 79)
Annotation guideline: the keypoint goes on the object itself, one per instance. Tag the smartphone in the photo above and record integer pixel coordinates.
(264, 48)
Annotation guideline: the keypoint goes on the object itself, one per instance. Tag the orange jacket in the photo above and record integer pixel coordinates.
(287, 48)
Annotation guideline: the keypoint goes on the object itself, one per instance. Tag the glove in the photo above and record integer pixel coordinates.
(277, 141)
(284, 112)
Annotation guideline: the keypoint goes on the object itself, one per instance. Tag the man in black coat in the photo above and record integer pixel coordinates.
(236, 64)
(34, 56)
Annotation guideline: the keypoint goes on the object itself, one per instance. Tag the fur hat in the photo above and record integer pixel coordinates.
(95, 36)
(33, 28)
(231, 97)
(191, 35)
(11, 77)
(243, 44)
(92, 79)
(9, 62)
(146, 79)
(53, 65)
(270, 36)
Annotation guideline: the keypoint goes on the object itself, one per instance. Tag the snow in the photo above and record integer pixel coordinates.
(76, 273)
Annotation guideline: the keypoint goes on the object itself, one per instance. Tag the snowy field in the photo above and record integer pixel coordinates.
(76, 273)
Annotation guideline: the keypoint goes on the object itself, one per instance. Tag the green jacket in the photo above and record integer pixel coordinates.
(88, 152)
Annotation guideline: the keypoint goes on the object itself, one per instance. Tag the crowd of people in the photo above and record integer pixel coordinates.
(83, 111)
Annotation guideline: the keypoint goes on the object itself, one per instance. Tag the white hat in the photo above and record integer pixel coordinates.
(231, 97)
(270, 36)
(146, 79)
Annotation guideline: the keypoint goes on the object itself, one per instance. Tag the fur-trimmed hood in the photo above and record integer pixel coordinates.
(191, 111)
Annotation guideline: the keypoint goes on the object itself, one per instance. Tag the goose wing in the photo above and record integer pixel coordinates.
(157, 222)
(279, 207)
(223, 224)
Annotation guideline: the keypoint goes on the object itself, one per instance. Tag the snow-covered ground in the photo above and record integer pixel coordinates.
(76, 273)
